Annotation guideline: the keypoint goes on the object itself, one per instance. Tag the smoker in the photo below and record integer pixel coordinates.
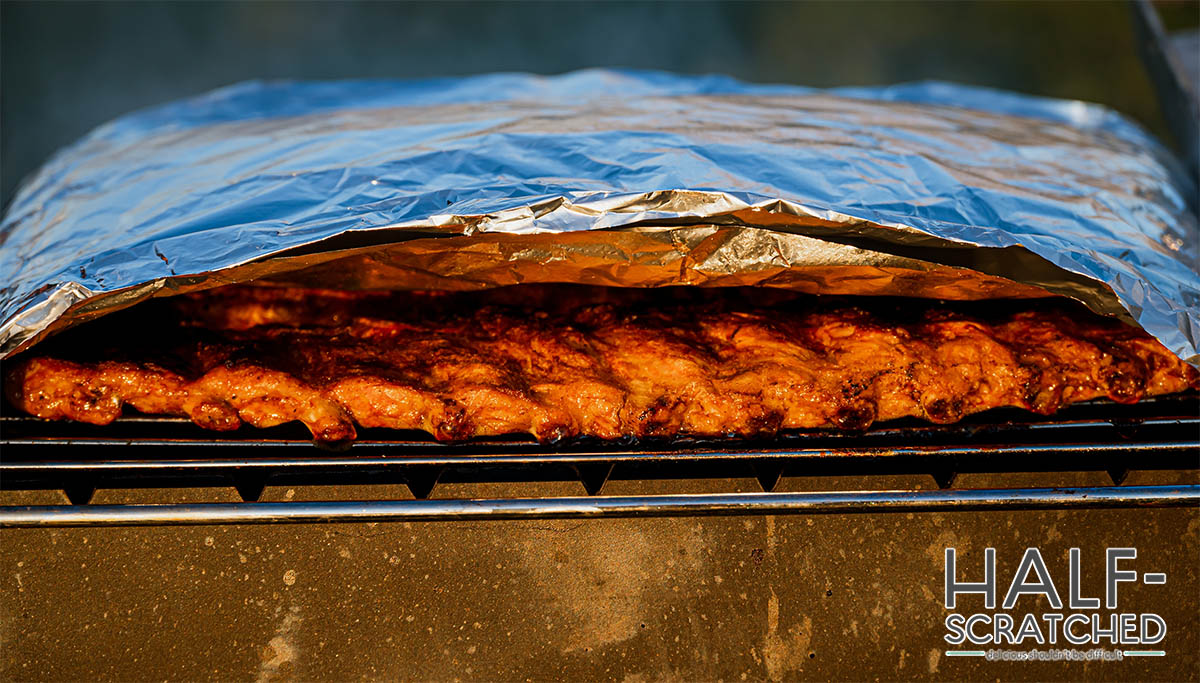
(1147, 451)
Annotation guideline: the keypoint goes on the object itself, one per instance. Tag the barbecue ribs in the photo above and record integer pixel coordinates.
(564, 362)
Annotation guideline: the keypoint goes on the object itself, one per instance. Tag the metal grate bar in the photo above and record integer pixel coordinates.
(1080, 452)
(614, 506)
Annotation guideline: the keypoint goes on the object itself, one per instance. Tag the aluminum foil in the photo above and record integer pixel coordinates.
(608, 177)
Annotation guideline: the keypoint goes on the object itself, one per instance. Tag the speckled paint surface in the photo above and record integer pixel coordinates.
(732, 598)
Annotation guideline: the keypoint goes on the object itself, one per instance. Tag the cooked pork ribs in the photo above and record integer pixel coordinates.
(568, 361)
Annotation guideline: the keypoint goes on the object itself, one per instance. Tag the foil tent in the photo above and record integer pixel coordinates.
(610, 177)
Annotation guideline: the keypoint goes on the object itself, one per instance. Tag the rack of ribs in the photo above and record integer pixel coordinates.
(563, 362)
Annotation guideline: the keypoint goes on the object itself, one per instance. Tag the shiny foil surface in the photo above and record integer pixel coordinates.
(608, 177)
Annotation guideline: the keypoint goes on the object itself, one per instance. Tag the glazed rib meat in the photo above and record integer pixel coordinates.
(564, 362)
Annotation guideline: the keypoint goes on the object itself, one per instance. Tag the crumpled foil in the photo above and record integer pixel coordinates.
(608, 177)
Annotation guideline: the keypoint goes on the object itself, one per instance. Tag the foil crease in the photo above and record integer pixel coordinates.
(608, 177)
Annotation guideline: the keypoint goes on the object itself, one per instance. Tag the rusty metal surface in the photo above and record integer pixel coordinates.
(756, 598)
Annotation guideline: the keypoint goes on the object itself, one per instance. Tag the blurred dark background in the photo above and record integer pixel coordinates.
(69, 66)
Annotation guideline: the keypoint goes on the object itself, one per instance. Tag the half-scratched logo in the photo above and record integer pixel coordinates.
(1079, 628)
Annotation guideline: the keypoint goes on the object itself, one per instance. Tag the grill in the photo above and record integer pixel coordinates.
(136, 452)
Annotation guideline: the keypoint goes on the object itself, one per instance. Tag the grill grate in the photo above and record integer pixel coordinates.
(171, 453)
